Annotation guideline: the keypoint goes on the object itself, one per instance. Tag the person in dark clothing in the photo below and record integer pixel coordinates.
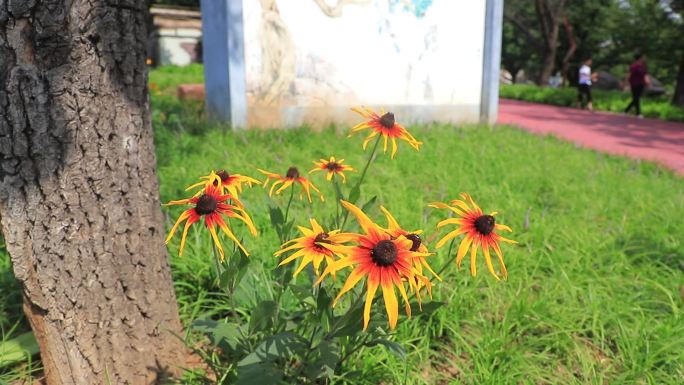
(638, 80)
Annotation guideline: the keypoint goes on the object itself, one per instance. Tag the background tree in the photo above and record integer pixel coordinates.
(677, 7)
(519, 50)
(539, 23)
(610, 31)
(549, 16)
(79, 197)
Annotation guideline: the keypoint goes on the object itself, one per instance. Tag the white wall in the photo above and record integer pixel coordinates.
(170, 44)
(304, 66)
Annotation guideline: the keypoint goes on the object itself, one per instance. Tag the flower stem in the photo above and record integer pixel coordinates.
(218, 262)
(338, 195)
(363, 175)
(289, 202)
(370, 158)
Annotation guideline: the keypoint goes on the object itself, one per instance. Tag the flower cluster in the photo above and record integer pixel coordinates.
(388, 258)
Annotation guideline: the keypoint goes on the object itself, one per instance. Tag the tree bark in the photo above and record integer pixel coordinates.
(678, 98)
(79, 203)
(548, 18)
(572, 47)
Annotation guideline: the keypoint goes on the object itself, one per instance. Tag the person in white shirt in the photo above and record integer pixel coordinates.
(584, 85)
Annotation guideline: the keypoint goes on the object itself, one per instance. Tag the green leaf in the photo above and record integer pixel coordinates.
(428, 308)
(262, 316)
(284, 231)
(369, 204)
(391, 346)
(328, 357)
(18, 349)
(302, 292)
(286, 345)
(324, 308)
(260, 373)
(235, 270)
(355, 194)
(277, 217)
(224, 335)
(352, 322)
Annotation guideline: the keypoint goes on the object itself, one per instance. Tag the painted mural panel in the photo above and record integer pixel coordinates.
(308, 61)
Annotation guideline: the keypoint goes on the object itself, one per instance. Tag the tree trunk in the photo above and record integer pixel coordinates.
(79, 194)
(548, 64)
(548, 19)
(572, 47)
(678, 98)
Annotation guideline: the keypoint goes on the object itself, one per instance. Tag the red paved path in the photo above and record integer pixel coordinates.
(650, 139)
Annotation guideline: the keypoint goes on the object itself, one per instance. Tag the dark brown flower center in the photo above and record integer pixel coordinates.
(292, 172)
(387, 120)
(223, 174)
(484, 224)
(415, 238)
(384, 253)
(322, 238)
(332, 166)
(206, 204)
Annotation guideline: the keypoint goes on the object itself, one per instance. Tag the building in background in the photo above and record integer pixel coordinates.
(176, 36)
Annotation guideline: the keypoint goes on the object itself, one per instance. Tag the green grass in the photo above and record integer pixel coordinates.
(596, 286)
(593, 295)
(614, 101)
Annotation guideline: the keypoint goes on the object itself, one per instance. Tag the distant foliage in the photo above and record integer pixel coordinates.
(609, 31)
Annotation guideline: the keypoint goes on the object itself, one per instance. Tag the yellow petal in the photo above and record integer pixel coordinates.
(354, 277)
(473, 258)
(370, 294)
(212, 231)
(449, 236)
(488, 260)
(463, 249)
(391, 304)
(503, 227)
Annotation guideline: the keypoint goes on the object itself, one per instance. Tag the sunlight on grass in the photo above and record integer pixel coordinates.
(594, 286)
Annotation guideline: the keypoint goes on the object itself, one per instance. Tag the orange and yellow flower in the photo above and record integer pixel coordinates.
(386, 262)
(288, 180)
(315, 246)
(479, 229)
(230, 183)
(395, 230)
(385, 125)
(333, 167)
(211, 205)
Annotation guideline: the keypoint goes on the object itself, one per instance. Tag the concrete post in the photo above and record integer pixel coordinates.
(224, 61)
(491, 63)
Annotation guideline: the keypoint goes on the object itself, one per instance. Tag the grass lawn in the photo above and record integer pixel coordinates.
(614, 101)
(596, 286)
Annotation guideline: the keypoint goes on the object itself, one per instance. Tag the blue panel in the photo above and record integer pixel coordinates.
(224, 61)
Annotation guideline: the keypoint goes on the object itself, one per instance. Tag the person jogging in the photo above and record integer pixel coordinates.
(584, 85)
(638, 80)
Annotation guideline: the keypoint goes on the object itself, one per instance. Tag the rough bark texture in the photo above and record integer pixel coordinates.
(78, 190)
